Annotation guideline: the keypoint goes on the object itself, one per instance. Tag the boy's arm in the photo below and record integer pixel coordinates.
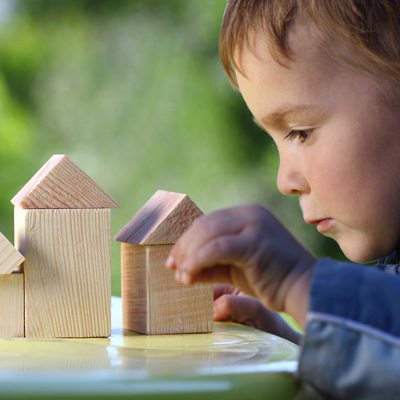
(298, 296)
(351, 346)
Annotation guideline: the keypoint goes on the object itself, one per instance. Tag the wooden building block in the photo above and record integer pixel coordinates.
(162, 220)
(67, 271)
(12, 305)
(134, 287)
(10, 257)
(60, 183)
(62, 226)
(153, 302)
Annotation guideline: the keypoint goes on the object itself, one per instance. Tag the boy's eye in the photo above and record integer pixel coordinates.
(300, 134)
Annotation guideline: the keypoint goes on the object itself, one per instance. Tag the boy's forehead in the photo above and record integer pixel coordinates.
(305, 84)
(261, 66)
(312, 64)
(304, 52)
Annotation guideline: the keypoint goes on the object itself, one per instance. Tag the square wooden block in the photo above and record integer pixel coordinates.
(153, 302)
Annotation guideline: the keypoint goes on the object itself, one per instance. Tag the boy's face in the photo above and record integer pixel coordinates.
(342, 156)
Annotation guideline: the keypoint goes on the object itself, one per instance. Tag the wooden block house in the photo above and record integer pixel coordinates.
(11, 291)
(62, 227)
(152, 301)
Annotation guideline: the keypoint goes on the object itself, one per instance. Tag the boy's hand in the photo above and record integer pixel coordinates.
(231, 304)
(246, 247)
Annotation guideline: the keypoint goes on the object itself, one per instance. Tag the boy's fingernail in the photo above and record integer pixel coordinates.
(178, 275)
(170, 262)
(184, 266)
(185, 278)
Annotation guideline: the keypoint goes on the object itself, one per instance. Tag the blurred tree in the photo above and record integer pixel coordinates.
(15, 139)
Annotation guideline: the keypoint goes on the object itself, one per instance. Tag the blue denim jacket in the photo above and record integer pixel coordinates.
(351, 346)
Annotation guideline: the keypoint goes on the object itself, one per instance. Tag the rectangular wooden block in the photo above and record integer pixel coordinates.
(134, 291)
(12, 305)
(67, 271)
(153, 302)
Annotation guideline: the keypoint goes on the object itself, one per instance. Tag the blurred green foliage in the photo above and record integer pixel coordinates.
(133, 92)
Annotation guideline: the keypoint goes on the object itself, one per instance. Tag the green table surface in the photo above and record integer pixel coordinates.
(232, 362)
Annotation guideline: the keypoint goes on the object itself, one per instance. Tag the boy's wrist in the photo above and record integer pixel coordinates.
(297, 299)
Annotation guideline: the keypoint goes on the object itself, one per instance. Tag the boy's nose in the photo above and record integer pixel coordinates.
(290, 180)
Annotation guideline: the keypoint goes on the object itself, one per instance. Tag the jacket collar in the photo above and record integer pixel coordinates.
(392, 258)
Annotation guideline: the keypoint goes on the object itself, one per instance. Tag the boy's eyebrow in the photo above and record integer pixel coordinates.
(283, 113)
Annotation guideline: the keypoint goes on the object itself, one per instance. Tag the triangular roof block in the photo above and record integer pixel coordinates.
(162, 220)
(60, 183)
(10, 257)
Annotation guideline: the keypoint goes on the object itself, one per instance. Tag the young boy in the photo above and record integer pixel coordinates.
(322, 77)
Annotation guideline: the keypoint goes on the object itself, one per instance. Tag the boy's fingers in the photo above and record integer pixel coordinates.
(170, 262)
(217, 273)
(235, 308)
(223, 250)
(204, 229)
(228, 275)
(221, 289)
(222, 308)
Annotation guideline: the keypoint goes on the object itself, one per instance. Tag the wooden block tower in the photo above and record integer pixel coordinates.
(62, 227)
(11, 291)
(152, 301)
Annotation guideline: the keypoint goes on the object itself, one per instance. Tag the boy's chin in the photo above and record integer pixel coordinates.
(363, 253)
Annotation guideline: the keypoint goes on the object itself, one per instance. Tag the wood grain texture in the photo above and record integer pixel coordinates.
(174, 308)
(134, 290)
(11, 306)
(10, 257)
(67, 272)
(153, 302)
(162, 220)
(61, 184)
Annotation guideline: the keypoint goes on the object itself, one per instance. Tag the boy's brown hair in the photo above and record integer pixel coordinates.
(364, 34)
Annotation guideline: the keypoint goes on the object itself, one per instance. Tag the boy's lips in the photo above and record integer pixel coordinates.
(323, 224)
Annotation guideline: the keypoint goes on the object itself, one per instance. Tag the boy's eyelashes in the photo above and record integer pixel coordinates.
(300, 134)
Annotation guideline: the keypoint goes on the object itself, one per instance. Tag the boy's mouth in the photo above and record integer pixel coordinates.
(323, 225)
